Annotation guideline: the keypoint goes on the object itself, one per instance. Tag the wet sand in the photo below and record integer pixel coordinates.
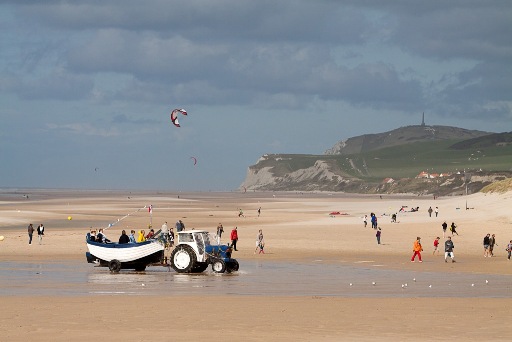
(299, 290)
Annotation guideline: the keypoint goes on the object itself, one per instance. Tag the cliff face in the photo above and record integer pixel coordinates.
(384, 162)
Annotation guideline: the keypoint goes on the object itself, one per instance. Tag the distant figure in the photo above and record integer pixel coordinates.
(141, 237)
(132, 237)
(453, 228)
(150, 234)
(101, 237)
(509, 249)
(379, 231)
(486, 243)
(30, 233)
(492, 242)
(179, 226)
(165, 229)
(436, 245)
(220, 230)
(365, 220)
(40, 233)
(259, 211)
(92, 235)
(241, 213)
(445, 226)
(417, 249)
(393, 218)
(448, 250)
(260, 243)
(234, 238)
(430, 211)
(436, 210)
(124, 238)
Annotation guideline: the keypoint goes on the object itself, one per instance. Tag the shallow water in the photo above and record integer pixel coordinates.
(255, 278)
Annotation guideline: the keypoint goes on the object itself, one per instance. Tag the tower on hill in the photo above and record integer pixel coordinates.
(423, 119)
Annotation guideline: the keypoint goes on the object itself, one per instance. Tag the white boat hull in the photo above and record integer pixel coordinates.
(124, 252)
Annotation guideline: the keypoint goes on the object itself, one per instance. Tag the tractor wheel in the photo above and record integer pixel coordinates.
(114, 266)
(219, 266)
(183, 259)
(200, 267)
(233, 266)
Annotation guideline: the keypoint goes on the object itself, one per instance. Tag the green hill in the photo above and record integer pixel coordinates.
(365, 171)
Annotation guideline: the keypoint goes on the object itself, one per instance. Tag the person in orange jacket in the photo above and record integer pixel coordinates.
(417, 249)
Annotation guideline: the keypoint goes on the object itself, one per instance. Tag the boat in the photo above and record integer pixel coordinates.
(117, 256)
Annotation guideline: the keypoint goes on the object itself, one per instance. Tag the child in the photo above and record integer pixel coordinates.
(378, 235)
(436, 245)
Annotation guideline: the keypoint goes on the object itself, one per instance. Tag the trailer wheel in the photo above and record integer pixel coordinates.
(233, 266)
(114, 265)
(219, 266)
(183, 259)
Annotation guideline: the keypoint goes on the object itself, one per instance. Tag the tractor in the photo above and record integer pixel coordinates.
(196, 250)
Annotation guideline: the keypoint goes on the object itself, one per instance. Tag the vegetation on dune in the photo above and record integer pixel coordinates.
(499, 186)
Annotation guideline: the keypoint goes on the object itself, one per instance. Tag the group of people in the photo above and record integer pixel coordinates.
(417, 248)
(489, 243)
(453, 228)
(40, 233)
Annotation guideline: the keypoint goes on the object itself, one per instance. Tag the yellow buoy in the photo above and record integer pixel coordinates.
(70, 218)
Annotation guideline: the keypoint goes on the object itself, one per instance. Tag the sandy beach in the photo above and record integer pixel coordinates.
(298, 231)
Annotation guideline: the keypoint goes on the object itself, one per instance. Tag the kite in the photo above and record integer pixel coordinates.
(194, 159)
(174, 116)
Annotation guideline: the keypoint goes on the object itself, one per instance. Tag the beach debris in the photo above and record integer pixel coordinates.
(414, 279)
(374, 283)
(350, 284)
(2, 238)
(486, 281)
(174, 116)
(403, 286)
(472, 285)
(430, 286)
(143, 284)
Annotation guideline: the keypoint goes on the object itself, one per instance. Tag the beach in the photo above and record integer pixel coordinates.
(314, 282)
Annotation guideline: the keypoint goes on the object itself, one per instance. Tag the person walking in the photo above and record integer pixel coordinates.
(453, 228)
(436, 210)
(30, 233)
(377, 234)
(436, 245)
(417, 249)
(259, 211)
(40, 233)
(492, 242)
(448, 249)
(509, 249)
(365, 220)
(234, 238)
(445, 226)
(430, 211)
(260, 244)
(220, 230)
(486, 243)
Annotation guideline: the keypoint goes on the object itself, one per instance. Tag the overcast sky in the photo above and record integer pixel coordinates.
(86, 87)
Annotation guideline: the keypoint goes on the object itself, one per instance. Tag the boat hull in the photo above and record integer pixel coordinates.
(130, 255)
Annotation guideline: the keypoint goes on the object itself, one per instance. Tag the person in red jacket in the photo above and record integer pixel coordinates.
(234, 238)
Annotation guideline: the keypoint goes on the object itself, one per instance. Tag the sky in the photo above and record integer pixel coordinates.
(86, 87)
